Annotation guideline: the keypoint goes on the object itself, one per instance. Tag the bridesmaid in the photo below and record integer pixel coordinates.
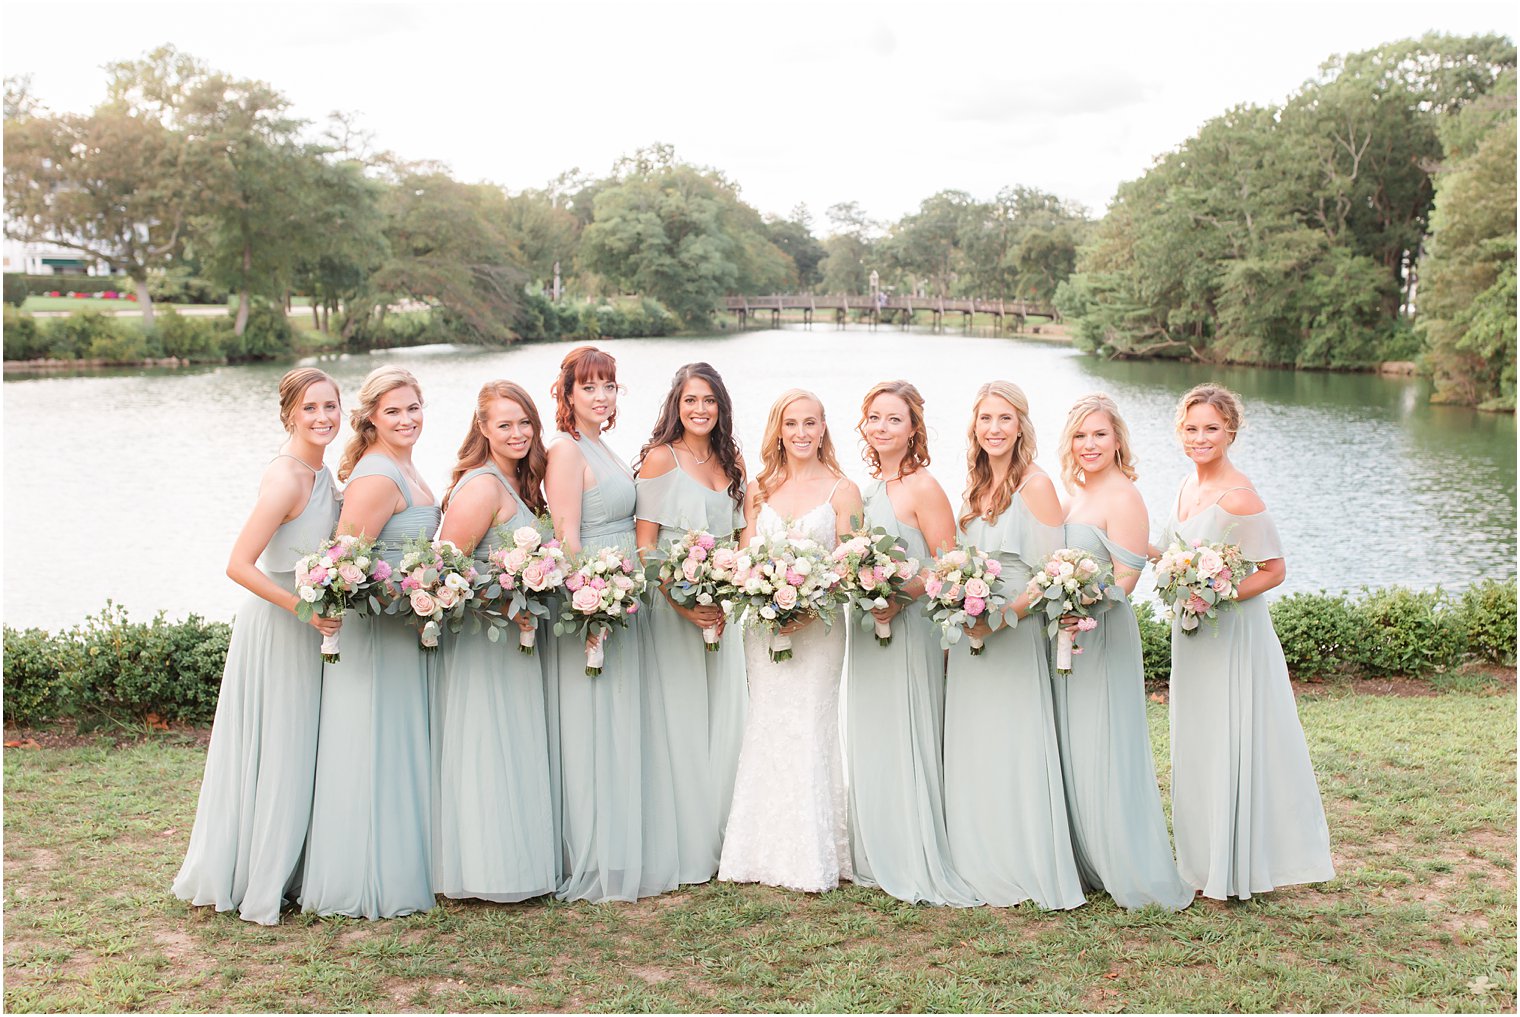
(1245, 804)
(619, 837)
(895, 706)
(255, 801)
(370, 851)
(495, 833)
(1005, 806)
(691, 477)
(1118, 829)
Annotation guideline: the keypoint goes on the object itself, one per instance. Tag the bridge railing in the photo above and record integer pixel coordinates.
(888, 302)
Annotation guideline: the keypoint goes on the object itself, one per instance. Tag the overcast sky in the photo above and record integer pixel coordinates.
(820, 103)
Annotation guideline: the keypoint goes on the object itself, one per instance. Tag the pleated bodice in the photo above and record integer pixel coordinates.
(498, 535)
(408, 524)
(606, 508)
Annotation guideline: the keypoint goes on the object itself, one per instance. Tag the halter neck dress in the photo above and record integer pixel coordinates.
(1005, 804)
(894, 719)
(255, 799)
(370, 850)
(1118, 828)
(697, 698)
(495, 826)
(615, 787)
(1246, 809)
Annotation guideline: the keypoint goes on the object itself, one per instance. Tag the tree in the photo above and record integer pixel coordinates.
(1468, 293)
(346, 240)
(680, 234)
(111, 184)
(850, 244)
(794, 238)
(546, 231)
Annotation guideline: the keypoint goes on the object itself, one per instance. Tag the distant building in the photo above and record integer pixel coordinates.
(50, 259)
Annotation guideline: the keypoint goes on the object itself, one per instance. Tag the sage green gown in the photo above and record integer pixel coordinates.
(1118, 829)
(1005, 803)
(495, 838)
(618, 807)
(696, 699)
(370, 850)
(1246, 809)
(894, 721)
(255, 800)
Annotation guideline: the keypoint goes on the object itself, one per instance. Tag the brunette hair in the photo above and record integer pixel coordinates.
(584, 363)
(475, 450)
(1072, 474)
(979, 478)
(376, 384)
(668, 428)
(1222, 399)
(773, 456)
(917, 454)
(294, 385)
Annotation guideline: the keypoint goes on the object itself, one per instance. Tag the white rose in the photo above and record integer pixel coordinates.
(768, 613)
(309, 594)
(1066, 569)
(362, 562)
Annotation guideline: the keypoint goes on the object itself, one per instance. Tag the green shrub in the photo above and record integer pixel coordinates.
(1318, 633)
(1406, 632)
(181, 286)
(117, 342)
(186, 337)
(73, 337)
(1155, 643)
(1487, 612)
(23, 339)
(72, 283)
(127, 670)
(35, 664)
(15, 289)
(266, 336)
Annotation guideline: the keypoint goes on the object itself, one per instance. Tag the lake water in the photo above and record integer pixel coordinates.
(132, 486)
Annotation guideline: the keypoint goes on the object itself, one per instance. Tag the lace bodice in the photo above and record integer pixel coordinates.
(818, 523)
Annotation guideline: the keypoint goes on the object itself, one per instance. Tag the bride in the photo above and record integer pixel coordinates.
(787, 824)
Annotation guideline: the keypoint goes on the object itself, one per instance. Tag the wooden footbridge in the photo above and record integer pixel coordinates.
(873, 309)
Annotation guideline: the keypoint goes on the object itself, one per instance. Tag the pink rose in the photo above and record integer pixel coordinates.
(724, 558)
(1197, 604)
(533, 577)
(868, 579)
(586, 600)
(786, 597)
(623, 583)
(955, 594)
(447, 597)
(1052, 569)
(975, 606)
(690, 568)
(933, 585)
(351, 573)
(514, 559)
(993, 567)
(423, 603)
(976, 588)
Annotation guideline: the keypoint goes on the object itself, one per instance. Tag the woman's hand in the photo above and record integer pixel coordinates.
(886, 614)
(525, 620)
(326, 626)
(981, 630)
(796, 625)
(1069, 624)
(705, 616)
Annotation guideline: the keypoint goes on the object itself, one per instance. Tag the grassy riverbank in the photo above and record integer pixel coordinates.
(1419, 790)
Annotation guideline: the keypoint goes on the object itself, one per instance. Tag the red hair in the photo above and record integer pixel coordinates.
(582, 364)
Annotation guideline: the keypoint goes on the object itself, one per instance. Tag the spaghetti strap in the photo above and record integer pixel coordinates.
(1025, 482)
(1228, 490)
(830, 496)
(287, 455)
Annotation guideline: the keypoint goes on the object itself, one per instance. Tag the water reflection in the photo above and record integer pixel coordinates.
(147, 475)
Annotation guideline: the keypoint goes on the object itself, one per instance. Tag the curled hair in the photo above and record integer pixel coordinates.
(668, 428)
(773, 469)
(981, 484)
(475, 450)
(294, 385)
(582, 364)
(917, 453)
(1072, 474)
(1215, 395)
(376, 384)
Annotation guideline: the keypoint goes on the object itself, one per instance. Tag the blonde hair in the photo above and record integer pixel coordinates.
(1210, 393)
(980, 482)
(376, 384)
(294, 385)
(773, 455)
(1072, 474)
(917, 453)
(475, 450)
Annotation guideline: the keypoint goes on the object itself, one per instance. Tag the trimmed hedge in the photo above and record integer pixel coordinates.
(71, 283)
(110, 666)
(15, 289)
(90, 335)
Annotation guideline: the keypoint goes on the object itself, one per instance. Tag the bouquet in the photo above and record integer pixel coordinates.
(874, 568)
(604, 588)
(781, 579)
(1069, 583)
(437, 582)
(964, 585)
(337, 577)
(698, 572)
(1194, 582)
(525, 571)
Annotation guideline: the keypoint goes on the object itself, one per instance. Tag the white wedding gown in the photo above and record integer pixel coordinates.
(787, 826)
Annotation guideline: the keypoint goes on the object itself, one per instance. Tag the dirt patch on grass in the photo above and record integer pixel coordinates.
(67, 736)
(1497, 681)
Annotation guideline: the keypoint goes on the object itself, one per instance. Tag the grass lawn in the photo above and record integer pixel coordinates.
(1420, 792)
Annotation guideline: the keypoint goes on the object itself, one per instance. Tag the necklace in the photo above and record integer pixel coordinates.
(699, 460)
